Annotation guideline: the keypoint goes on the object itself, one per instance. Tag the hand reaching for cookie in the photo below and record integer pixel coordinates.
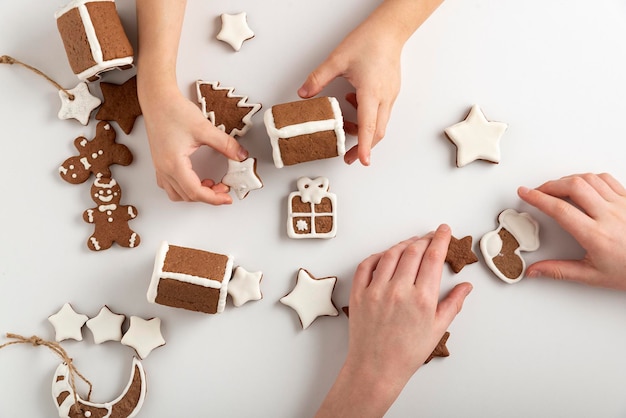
(596, 218)
(396, 320)
(369, 58)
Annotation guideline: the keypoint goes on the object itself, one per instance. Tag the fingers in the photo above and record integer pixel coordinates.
(319, 78)
(581, 192)
(450, 306)
(386, 267)
(365, 271)
(613, 184)
(222, 142)
(571, 270)
(431, 267)
(569, 217)
(188, 188)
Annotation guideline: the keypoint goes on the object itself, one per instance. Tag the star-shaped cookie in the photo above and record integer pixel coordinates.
(106, 326)
(67, 324)
(311, 297)
(235, 30)
(242, 177)
(460, 253)
(441, 350)
(81, 104)
(120, 104)
(245, 286)
(476, 138)
(143, 335)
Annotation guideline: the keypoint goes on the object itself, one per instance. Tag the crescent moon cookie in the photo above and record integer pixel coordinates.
(311, 297)
(127, 405)
(501, 248)
(227, 111)
(235, 30)
(305, 130)
(312, 210)
(476, 138)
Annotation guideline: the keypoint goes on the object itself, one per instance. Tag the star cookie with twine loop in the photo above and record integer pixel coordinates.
(77, 103)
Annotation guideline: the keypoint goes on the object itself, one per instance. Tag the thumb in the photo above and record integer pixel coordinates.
(223, 143)
(452, 304)
(569, 270)
(318, 79)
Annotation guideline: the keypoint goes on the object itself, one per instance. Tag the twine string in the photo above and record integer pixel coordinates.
(6, 59)
(60, 351)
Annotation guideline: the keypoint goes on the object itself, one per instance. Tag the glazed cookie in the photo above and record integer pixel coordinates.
(110, 219)
(68, 324)
(311, 297)
(227, 111)
(121, 104)
(245, 286)
(305, 130)
(476, 138)
(78, 103)
(235, 30)
(95, 156)
(242, 177)
(143, 335)
(126, 405)
(191, 279)
(93, 37)
(501, 248)
(106, 326)
(312, 210)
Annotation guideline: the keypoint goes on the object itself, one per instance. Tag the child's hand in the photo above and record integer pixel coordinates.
(396, 320)
(176, 128)
(596, 218)
(369, 58)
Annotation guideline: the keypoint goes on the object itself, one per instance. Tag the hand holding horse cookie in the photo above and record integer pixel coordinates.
(596, 218)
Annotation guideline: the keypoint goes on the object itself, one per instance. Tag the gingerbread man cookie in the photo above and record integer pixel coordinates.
(95, 156)
(110, 219)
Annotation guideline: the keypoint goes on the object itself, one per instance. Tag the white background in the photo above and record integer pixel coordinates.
(554, 71)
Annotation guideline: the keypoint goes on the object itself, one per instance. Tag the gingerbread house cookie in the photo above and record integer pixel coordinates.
(311, 211)
(305, 130)
(93, 37)
(227, 111)
(191, 279)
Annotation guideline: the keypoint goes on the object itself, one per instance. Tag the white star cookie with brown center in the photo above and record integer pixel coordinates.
(235, 30)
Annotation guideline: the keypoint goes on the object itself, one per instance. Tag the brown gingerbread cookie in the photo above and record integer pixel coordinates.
(95, 156)
(110, 219)
(460, 253)
(120, 104)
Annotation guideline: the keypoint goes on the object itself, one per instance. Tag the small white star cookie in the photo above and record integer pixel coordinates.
(81, 106)
(143, 335)
(106, 326)
(235, 30)
(311, 297)
(68, 324)
(242, 177)
(245, 286)
(476, 138)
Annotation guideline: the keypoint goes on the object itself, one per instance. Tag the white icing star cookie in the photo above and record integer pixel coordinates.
(245, 286)
(106, 326)
(143, 335)
(235, 30)
(67, 324)
(81, 106)
(476, 138)
(242, 177)
(311, 297)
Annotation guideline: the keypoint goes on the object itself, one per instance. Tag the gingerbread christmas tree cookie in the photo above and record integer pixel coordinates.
(226, 110)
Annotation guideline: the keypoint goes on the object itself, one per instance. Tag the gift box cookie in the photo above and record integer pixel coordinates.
(191, 279)
(93, 37)
(305, 130)
(312, 210)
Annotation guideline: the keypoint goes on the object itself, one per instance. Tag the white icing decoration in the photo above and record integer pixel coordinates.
(112, 183)
(106, 326)
(311, 191)
(143, 335)
(335, 124)
(311, 297)
(84, 162)
(302, 225)
(235, 30)
(245, 286)
(133, 239)
(158, 274)
(94, 44)
(61, 383)
(103, 208)
(67, 324)
(476, 138)
(95, 243)
(242, 103)
(241, 177)
(81, 106)
(525, 230)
